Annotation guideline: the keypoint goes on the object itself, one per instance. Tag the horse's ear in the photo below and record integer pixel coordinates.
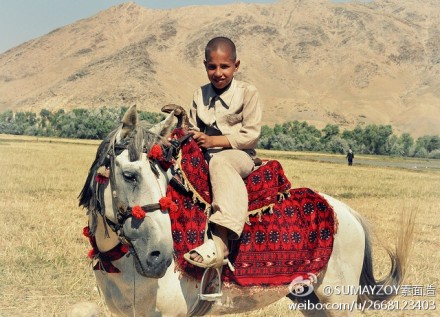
(163, 128)
(129, 121)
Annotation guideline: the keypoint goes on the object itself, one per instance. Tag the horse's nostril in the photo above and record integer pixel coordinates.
(155, 255)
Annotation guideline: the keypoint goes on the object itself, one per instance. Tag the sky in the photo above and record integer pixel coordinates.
(23, 20)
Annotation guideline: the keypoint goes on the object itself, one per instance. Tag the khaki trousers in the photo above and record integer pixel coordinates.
(227, 168)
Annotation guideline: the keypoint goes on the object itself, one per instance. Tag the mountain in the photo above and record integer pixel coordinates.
(312, 60)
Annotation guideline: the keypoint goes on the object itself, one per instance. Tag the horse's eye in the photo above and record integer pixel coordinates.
(129, 177)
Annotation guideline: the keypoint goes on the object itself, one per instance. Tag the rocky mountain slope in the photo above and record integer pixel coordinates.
(313, 60)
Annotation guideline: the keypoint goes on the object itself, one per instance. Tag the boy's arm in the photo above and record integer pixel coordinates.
(193, 121)
(249, 133)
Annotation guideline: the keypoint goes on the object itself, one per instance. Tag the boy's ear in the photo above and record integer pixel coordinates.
(237, 64)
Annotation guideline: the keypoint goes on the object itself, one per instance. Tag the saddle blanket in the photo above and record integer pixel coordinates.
(289, 232)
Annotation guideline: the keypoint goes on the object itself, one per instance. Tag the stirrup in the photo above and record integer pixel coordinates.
(212, 296)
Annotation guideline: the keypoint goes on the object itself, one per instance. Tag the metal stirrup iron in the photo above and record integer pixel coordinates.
(212, 296)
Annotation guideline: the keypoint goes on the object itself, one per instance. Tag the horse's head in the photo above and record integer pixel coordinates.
(129, 201)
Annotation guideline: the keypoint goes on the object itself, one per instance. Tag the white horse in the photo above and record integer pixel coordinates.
(149, 283)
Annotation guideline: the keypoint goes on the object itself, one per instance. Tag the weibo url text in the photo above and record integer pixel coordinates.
(375, 305)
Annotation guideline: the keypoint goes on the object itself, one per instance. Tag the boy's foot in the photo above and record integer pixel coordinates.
(195, 256)
(208, 255)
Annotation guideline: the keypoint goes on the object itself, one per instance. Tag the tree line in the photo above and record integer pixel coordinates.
(370, 139)
(289, 136)
(79, 123)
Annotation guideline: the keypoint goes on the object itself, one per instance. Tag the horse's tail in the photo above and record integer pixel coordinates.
(388, 287)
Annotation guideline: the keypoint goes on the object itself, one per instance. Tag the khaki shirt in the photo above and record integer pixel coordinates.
(236, 114)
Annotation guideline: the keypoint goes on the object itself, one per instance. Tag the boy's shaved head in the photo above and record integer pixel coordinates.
(221, 43)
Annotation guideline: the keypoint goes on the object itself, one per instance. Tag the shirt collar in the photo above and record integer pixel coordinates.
(226, 96)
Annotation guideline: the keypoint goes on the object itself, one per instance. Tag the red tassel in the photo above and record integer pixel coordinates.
(167, 204)
(155, 152)
(137, 212)
(91, 254)
(86, 232)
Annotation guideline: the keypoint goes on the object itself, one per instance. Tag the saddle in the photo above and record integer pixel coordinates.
(289, 232)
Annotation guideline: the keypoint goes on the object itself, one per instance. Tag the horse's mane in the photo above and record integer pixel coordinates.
(137, 141)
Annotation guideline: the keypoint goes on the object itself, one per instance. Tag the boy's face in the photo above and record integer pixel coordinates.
(220, 68)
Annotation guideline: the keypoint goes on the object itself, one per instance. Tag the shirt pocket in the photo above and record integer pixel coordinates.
(233, 119)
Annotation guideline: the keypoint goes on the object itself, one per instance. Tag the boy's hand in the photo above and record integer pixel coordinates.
(205, 141)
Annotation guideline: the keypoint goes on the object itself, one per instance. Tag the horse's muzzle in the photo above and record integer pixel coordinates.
(152, 250)
(152, 263)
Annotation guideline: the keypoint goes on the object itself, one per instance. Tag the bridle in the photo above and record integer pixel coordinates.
(105, 175)
(122, 210)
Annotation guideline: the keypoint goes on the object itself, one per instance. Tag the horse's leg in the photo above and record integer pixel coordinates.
(345, 264)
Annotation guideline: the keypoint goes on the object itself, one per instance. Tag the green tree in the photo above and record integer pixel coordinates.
(407, 142)
(337, 144)
(330, 138)
(329, 131)
(433, 143)
(375, 138)
(396, 147)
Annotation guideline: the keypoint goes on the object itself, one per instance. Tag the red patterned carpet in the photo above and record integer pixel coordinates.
(290, 231)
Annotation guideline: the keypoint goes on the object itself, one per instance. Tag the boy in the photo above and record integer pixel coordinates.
(226, 121)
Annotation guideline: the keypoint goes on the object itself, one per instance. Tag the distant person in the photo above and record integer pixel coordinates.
(226, 121)
(350, 157)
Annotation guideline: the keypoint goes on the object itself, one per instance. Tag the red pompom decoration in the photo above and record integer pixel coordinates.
(86, 232)
(166, 203)
(137, 212)
(91, 254)
(125, 248)
(155, 152)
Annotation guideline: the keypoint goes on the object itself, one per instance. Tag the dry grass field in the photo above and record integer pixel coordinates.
(43, 264)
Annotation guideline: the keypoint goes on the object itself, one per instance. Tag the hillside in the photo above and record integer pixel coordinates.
(349, 64)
